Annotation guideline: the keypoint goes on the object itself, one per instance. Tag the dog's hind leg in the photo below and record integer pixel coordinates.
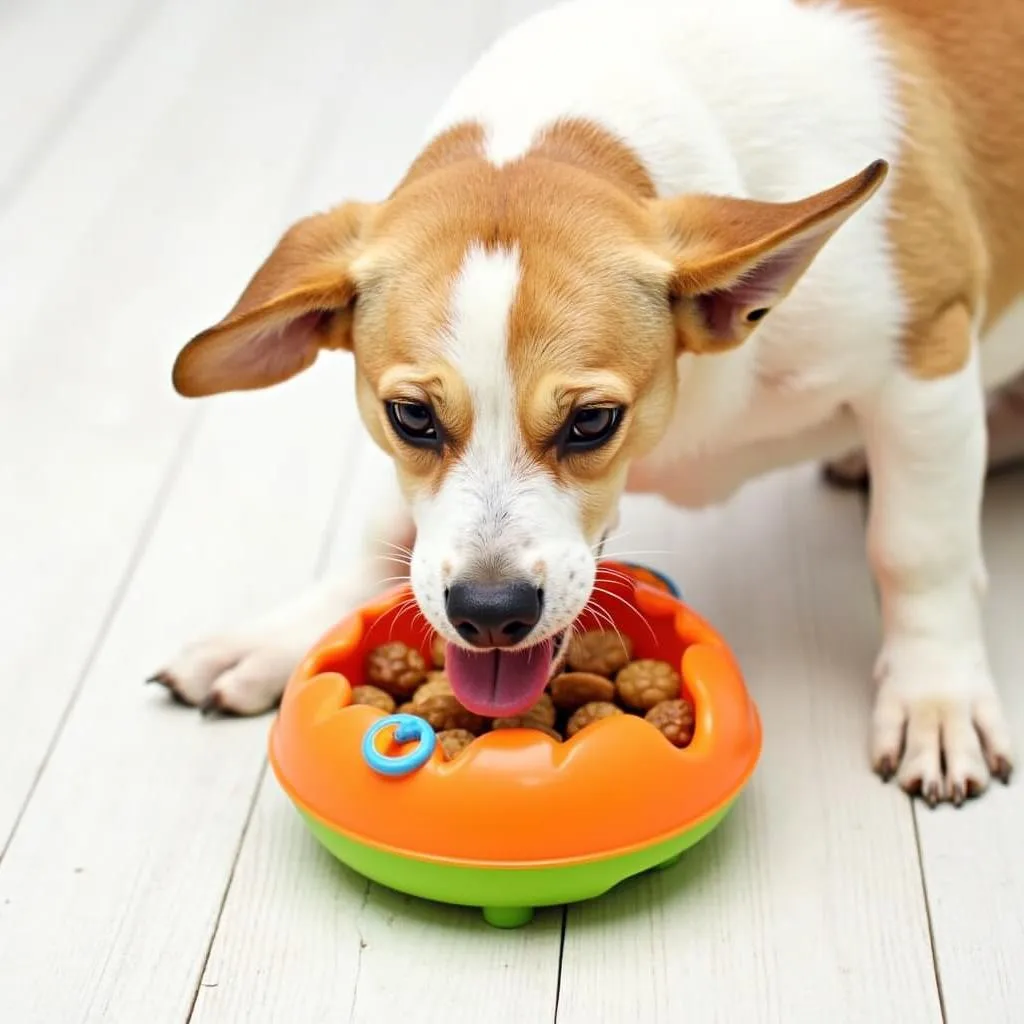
(1006, 427)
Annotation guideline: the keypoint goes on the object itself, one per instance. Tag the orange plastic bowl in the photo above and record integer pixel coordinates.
(518, 820)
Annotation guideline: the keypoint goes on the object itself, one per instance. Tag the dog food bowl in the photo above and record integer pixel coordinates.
(517, 820)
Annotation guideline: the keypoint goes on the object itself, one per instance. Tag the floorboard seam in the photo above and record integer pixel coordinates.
(928, 915)
(227, 888)
(561, 961)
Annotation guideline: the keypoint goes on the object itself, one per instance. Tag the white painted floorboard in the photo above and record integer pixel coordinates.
(808, 903)
(973, 862)
(150, 869)
(54, 54)
(89, 426)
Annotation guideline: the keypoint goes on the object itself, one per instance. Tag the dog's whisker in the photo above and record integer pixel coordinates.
(399, 549)
(615, 574)
(632, 608)
(428, 629)
(635, 553)
(399, 611)
(391, 558)
(603, 615)
(392, 579)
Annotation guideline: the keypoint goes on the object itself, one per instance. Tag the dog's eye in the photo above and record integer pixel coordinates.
(414, 423)
(591, 426)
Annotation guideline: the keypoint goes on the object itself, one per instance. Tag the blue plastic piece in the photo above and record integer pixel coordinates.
(408, 729)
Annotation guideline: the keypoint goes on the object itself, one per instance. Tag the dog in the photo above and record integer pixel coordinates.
(667, 246)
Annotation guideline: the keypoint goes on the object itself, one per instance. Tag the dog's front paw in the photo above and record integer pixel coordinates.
(230, 674)
(938, 723)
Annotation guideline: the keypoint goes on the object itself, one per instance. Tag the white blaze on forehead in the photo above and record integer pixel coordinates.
(477, 346)
(497, 515)
(482, 505)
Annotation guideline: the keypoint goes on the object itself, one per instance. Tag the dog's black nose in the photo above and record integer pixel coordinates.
(494, 614)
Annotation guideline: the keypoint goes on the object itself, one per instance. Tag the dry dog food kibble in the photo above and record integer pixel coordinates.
(436, 684)
(443, 711)
(541, 716)
(601, 651)
(548, 731)
(575, 698)
(589, 713)
(375, 697)
(571, 690)
(674, 720)
(396, 668)
(642, 684)
(454, 741)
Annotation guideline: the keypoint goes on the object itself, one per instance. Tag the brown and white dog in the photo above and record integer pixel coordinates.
(666, 245)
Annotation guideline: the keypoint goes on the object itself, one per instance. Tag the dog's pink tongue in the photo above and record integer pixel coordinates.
(499, 683)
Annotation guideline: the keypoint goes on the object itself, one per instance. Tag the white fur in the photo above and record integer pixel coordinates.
(925, 442)
(767, 99)
(496, 514)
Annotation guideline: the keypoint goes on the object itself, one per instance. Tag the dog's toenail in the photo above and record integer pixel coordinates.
(958, 795)
(973, 788)
(178, 697)
(1002, 770)
(211, 705)
(912, 786)
(886, 768)
(158, 678)
(931, 794)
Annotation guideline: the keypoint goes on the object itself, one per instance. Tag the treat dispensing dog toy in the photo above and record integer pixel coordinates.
(517, 819)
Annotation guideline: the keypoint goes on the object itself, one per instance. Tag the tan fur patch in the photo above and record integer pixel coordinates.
(957, 195)
(574, 208)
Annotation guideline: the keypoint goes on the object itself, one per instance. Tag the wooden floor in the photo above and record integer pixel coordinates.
(151, 870)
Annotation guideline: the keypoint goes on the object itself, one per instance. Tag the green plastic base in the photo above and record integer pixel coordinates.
(508, 917)
(506, 895)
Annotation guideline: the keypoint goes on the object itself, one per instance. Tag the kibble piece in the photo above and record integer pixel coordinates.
(454, 741)
(437, 683)
(408, 708)
(534, 726)
(644, 683)
(592, 712)
(396, 668)
(541, 715)
(375, 697)
(571, 690)
(601, 651)
(437, 649)
(674, 720)
(549, 731)
(443, 711)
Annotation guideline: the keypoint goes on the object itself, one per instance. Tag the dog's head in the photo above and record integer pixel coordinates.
(516, 332)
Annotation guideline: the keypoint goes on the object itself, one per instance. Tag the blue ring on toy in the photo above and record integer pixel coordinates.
(669, 584)
(408, 729)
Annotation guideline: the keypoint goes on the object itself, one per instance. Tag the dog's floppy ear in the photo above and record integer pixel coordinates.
(734, 259)
(299, 301)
